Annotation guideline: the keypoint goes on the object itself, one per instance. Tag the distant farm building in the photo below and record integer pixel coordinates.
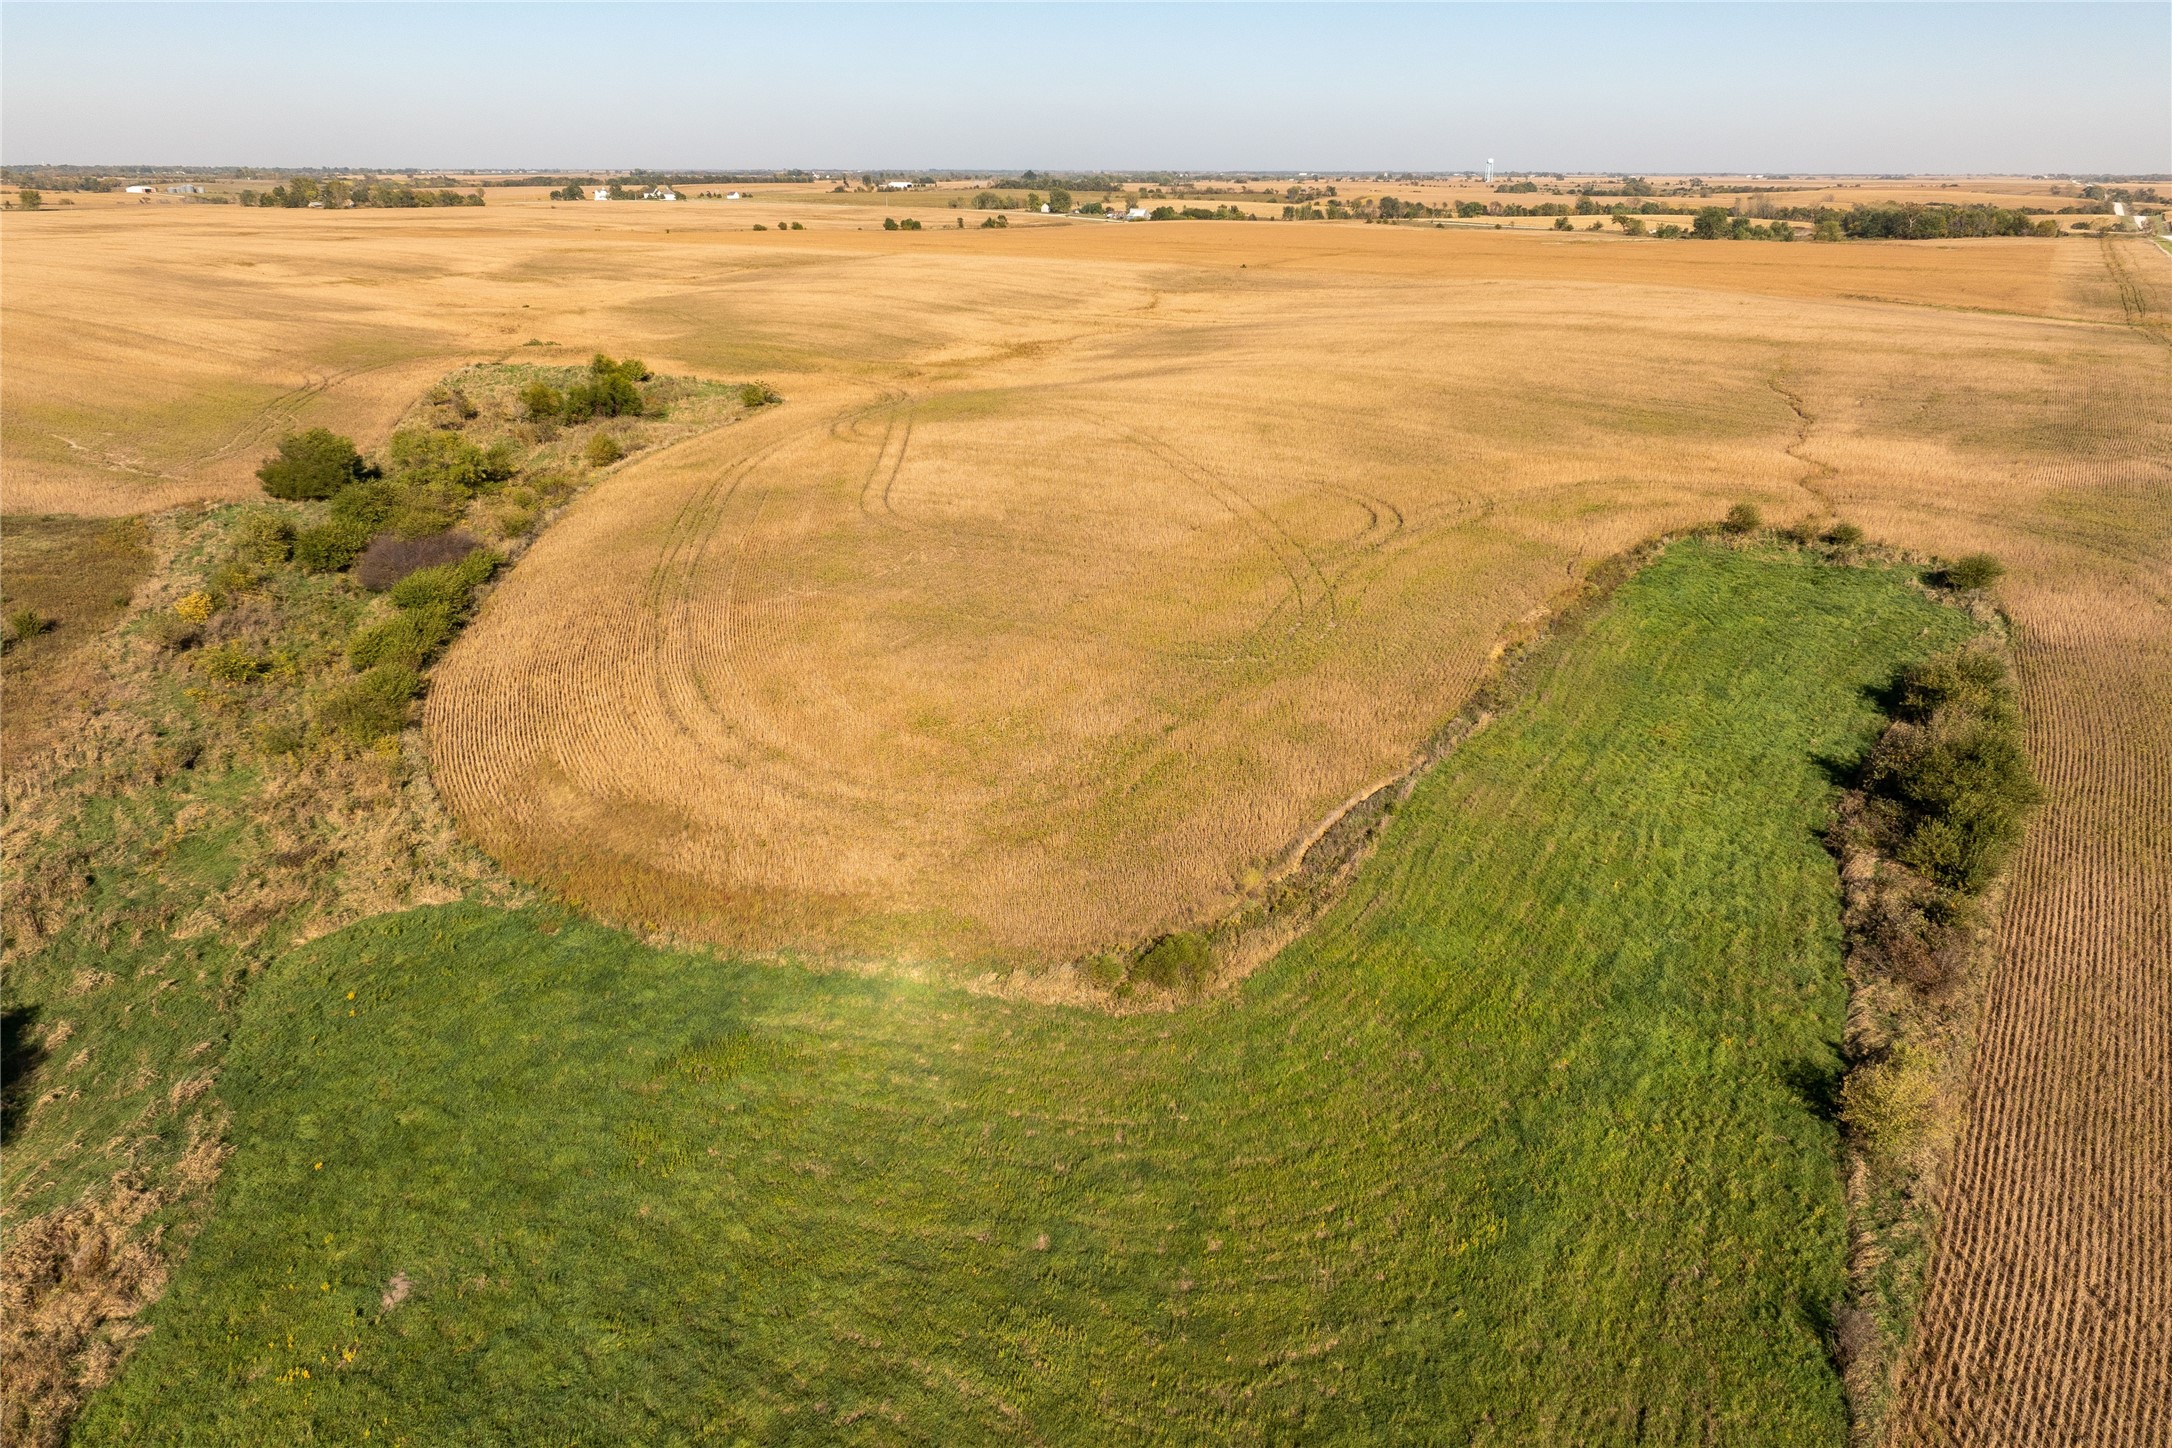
(898, 185)
(141, 190)
(603, 193)
(182, 190)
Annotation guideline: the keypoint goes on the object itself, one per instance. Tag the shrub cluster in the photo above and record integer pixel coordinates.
(1942, 800)
(1180, 961)
(389, 655)
(1977, 570)
(1950, 780)
(311, 465)
(430, 477)
(373, 705)
(1743, 518)
(330, 547)
(612, 390)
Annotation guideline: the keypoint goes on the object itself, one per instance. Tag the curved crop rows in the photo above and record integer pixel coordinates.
(1047, 646)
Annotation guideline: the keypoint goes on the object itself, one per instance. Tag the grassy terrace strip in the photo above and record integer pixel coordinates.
(1528, 1140)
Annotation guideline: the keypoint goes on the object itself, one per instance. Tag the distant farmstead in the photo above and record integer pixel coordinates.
(898, 185)
(141, 190)
(603, 193)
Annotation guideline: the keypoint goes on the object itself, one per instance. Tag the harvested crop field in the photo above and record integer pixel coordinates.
(1085, 568)
(1027, 648)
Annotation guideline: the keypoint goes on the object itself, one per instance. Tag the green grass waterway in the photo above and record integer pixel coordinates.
(1520, 1144)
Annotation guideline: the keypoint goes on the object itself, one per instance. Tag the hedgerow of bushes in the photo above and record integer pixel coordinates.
(1938, 808)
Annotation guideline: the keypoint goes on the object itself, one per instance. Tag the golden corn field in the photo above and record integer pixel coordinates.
(1086, 568)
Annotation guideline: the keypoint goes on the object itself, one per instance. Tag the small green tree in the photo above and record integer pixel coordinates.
(1743, 518)
(1885, 1105)
(889, 223)
(1977, 570)
(603, 450)
(330, 547)
(1827, 229)
(311, 465)
(1711, 224)
(541, 401)
(1844, 535)
(30, 199)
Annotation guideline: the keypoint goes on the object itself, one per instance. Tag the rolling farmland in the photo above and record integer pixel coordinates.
(1087, 567)
(1521, 1144)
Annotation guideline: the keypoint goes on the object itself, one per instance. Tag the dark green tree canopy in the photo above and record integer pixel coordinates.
(312, 464)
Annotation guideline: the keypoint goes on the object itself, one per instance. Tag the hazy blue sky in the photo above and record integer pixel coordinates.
(2073, 87)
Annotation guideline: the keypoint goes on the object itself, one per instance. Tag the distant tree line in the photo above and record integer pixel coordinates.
(1931, 223)
(1058, 200)
(1085, 181)
(1200, 213)
(1900, 222)
(307, 190)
